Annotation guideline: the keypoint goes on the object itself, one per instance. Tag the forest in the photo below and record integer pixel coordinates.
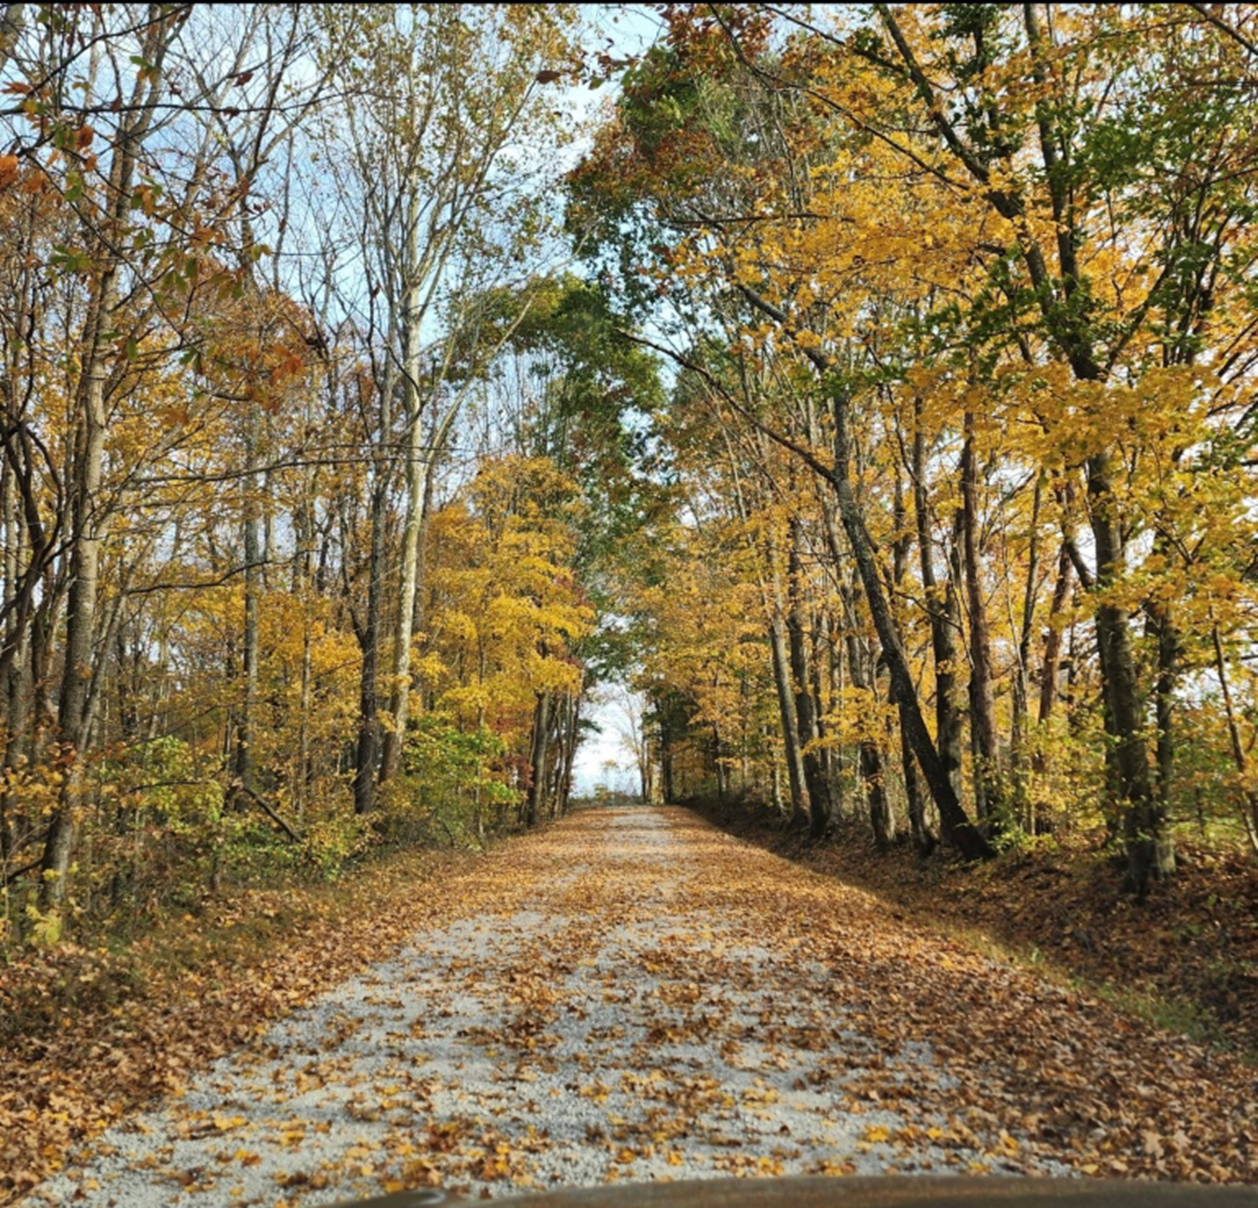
(863, 396)
(869, 391)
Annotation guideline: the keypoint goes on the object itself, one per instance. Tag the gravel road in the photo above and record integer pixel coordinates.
(631, 995)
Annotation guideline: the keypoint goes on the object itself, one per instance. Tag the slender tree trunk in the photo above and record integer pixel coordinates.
(719, 769)
(16, 674)
(1168, 670)
(1051, 665)
(834, 644)
(869, 753)
(1249, 811)
(923, 840)
(571, 731)
(1168, 658)
(773, 598)
(564, 734)
(88, 537)
(536, 802)
(399, 704)
(253, 557)
(1050, 674)
(818, 671)
(1018, 770)
(368, 695)
(300, 586)
(987, 786)
(790, 727)
(1143, 817)
(805, 706)
(943, 609)
(416, 478)
(304, 769)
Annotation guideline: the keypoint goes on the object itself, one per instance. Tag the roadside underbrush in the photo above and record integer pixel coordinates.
(88, 1032)
(1187, 960)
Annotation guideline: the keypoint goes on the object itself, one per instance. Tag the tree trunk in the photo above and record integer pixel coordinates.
(1018, 769)
(399, 703)
(943, 609)
(818, 683)
(1168, 647)
(417, 478)
(1051, 665)
(572, 729)
(987, 786)
(836, 771)
(15, 675)
(88, 534)
(368, 696)
(790, 727)
(805, 706)
(1249, 809)
(536, 801)
(799, 802)
(923, 839)
(253, 557)
(869, 753)
(1143, 818)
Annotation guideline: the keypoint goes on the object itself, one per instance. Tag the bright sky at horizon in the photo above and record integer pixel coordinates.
(607, 758)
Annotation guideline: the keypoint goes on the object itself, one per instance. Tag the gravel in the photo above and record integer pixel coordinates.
(602, 1023)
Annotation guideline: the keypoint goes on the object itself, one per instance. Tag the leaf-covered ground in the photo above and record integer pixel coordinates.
(1189, 955)
(633, 994)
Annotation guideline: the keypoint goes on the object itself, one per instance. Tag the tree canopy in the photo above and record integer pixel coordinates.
(871, 391)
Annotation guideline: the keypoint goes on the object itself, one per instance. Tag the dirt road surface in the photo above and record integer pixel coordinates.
(634, 995)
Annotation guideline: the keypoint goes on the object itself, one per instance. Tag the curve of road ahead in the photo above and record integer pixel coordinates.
(633, 995)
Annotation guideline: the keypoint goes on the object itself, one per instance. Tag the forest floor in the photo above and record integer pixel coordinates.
(631, 994)
(1186, 960)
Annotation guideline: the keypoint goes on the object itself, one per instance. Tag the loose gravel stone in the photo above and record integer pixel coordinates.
(620, 1013)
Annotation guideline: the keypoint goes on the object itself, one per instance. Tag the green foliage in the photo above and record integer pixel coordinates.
(163, 780)
(453, 786)
(331, 842)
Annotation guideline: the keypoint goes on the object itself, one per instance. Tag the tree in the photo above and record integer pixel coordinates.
(950, 205)
(640, 169)
(442, 208)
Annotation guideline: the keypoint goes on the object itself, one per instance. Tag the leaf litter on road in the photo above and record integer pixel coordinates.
(633, 995)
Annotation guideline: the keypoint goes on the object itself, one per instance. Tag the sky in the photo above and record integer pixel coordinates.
(615, 710)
